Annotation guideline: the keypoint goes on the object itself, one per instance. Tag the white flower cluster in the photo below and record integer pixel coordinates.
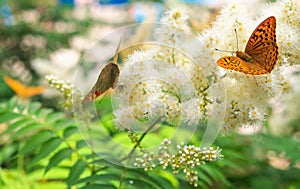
(248, 97)
(63, 87)
(185, 158)
(180, 76)
(285, 115)
(159, 83)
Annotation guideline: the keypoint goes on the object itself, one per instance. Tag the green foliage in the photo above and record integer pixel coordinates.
(47, 144)
(39, 139)
(247, 161)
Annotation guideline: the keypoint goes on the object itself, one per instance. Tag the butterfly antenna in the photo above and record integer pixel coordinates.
(237, 40)
(117, 51)
(237, 44)
(224, 51)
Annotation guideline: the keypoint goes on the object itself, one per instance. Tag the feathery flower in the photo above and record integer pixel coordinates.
(186, 159)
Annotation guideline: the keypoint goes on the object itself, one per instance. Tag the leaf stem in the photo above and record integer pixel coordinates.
(133, 149)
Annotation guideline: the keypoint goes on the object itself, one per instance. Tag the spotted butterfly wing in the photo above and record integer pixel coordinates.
(106, 80)
(238, 64)
(262, 46)
(260, 54)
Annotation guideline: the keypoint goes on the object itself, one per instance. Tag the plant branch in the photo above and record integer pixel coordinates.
(134, 148)
(140, 139)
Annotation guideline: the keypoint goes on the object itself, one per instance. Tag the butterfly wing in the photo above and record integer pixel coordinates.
(21, 89)
(262, 46)
(32, 91)
(15, 85)
(237, 64)
(106, 80)
(107, 77)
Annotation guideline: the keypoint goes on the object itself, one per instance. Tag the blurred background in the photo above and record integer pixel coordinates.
(50, 37)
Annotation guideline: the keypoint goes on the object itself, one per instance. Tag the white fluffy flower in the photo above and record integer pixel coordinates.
(247, 97)
(285, 109)
(157, 82)
(180, 76)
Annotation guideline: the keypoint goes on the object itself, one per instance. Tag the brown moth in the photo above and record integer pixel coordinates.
(106, 80)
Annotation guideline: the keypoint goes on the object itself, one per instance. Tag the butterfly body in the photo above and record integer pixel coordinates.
(260, 54)
(244, 56)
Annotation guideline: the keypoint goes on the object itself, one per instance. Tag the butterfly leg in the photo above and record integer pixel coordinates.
(255, 80)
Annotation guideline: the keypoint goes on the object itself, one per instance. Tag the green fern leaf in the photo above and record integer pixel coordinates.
(75, 172)
(58, 157)
(36, 140)
(47, 148)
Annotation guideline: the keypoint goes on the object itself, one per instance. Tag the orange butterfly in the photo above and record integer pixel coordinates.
(106, 79)
(22, 90)
(260, 54)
